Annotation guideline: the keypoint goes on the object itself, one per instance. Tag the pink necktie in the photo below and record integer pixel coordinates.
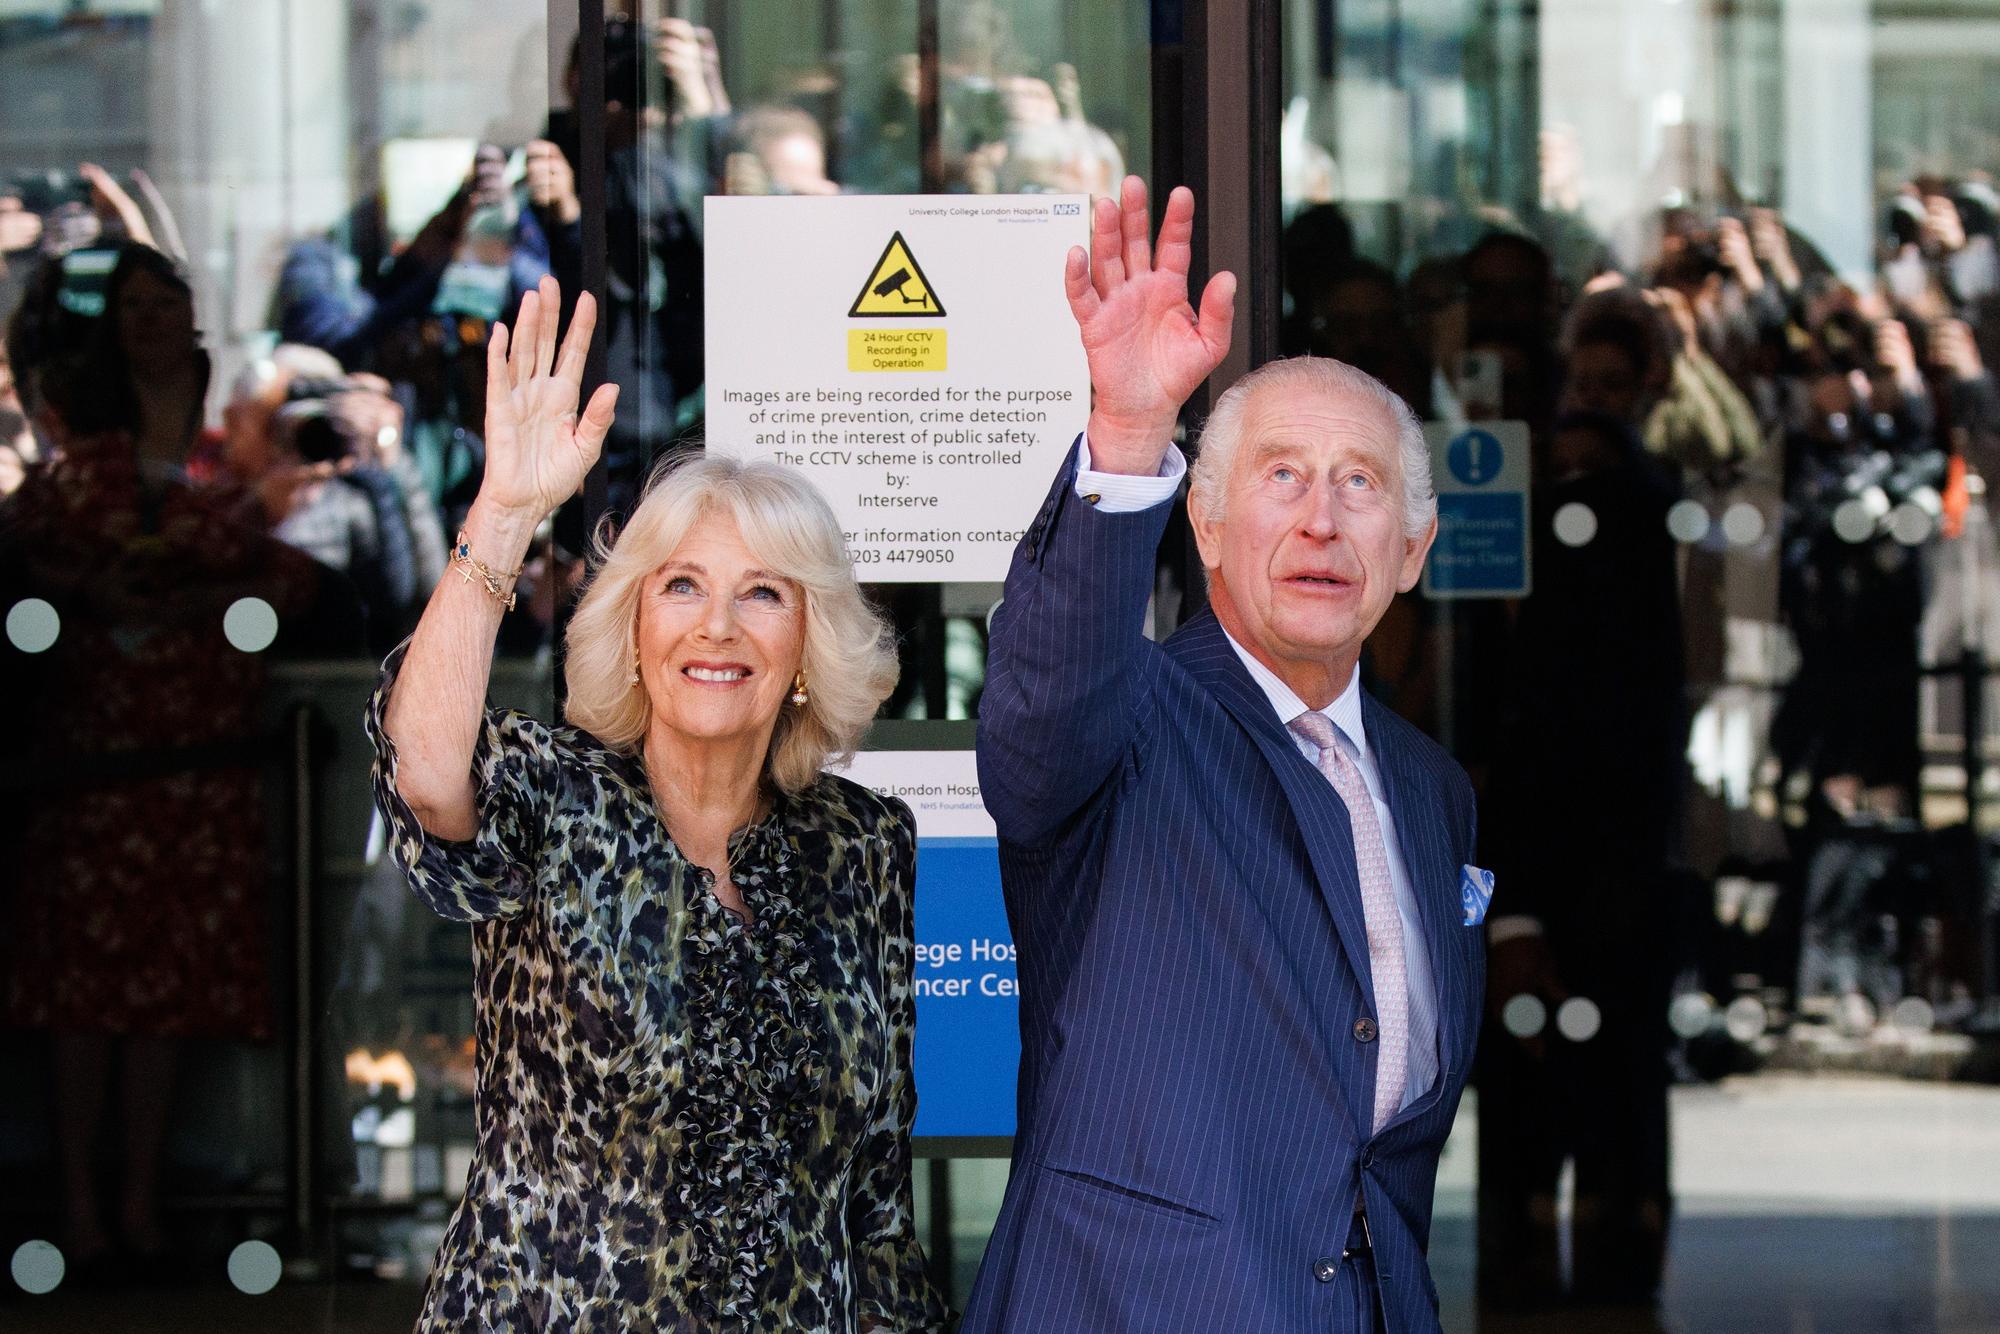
(1378, 910)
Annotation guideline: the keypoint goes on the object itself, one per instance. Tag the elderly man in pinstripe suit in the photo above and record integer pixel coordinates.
(1250, 983)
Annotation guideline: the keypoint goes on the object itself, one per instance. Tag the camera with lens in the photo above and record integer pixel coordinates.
(311, 425)
(42, 190)
(1698, 259)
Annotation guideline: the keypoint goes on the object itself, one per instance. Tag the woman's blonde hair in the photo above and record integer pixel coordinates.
(849, 656)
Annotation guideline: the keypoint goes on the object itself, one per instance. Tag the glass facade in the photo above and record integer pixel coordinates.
(1727, 267)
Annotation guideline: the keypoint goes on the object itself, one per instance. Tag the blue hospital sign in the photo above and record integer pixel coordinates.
(968, 1049)
(1481, 475)
(968, 993)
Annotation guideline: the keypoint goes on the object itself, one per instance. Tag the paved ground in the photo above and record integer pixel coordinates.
(1808, 1205)
(1836, 1206)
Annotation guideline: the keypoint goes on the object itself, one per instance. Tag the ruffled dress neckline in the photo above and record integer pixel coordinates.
(756, 1063)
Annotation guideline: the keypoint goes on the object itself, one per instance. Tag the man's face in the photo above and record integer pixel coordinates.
(155, 322)
(1361, 323)
(1602, 379)
(796, 165)
(248, 448)
(1309, 549)
(1505, 286)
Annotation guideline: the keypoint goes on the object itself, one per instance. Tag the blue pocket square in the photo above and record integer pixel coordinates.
(1475, 891)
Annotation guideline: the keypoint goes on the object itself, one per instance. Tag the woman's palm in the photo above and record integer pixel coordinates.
(538, 449)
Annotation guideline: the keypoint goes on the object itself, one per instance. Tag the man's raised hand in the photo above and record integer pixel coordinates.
(1147, 346)
(537, 447)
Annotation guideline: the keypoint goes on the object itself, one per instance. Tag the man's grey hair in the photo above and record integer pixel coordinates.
(1209, 482)
(1043, 157)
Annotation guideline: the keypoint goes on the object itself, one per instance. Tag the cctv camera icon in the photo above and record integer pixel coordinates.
(894, 284)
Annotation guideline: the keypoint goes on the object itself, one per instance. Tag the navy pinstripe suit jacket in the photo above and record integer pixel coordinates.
(1194, 1098)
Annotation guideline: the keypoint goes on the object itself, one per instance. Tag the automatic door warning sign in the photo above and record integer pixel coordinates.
(897, 286)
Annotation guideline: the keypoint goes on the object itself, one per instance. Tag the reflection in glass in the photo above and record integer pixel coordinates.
(1733, 748)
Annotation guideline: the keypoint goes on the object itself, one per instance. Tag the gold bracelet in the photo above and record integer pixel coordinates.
(471, 569)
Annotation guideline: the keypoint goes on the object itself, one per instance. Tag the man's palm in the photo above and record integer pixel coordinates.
(1148, 347)
(1145, 346)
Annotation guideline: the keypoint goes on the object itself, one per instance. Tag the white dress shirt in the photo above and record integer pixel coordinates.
(1118, 493)
(1121, 493)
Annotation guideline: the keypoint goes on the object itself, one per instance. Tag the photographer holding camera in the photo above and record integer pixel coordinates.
(322, 454)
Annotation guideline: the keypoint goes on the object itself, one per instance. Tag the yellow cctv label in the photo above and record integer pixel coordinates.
(895, 349)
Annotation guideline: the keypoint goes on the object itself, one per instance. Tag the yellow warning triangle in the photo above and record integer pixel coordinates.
(897, 286)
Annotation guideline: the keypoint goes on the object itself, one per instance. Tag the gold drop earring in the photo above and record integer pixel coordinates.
(799, 695)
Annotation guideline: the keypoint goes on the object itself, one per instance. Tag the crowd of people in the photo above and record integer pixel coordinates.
(358, 432)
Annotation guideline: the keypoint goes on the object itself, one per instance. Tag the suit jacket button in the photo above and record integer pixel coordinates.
(1364, 1029)
(1325, 1269)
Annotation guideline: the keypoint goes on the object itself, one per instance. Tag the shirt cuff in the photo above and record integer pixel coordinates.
(1122, 493)
(1511, 927)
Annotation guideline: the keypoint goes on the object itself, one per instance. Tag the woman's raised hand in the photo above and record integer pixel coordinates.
(537, 446)
(1148, 347)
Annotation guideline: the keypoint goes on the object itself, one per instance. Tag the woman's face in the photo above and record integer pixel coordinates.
(720, 638)
(155, 321)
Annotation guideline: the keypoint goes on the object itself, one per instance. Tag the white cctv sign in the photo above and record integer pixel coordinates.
(913, 355)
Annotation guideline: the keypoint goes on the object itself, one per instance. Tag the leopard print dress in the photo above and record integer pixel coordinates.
(685, 1123)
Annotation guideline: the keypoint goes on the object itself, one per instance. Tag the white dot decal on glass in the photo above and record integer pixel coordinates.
(1691, 1015)
(32, 625)
(250, 625)
(38, 1267)
(1524, 1016)
(1575, 524)
(1853, 521)
(1688, 521)
(1578, 1019)
(1746, 1019)
(1742, 523)
(1910, 524)
(254, 1267)
(1913, 1014)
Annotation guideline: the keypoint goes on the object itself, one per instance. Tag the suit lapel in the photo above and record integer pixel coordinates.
(1204, 650)
(1428, 859)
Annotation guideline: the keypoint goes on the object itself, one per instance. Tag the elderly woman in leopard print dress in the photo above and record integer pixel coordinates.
(692, 946)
